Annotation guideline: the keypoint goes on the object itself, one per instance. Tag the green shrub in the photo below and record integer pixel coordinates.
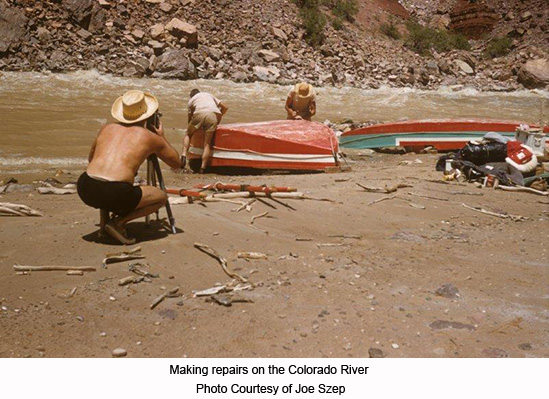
(314, 23)
(313, 20)
(345, 9)
(337, 23)
(421, 39)
(390, 30)
(498, 47)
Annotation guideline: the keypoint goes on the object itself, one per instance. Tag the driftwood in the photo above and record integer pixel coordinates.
(382, 199)
(515, 218)
(386, 190)
(251, 255)
(303, 239)
(20, 268)
(330, 244)
(130, 280)
(57, 191)
(114, 257)
(261, 215)
(75, 273)
(354, 236)
(173, 293)
(9, 209)
(211, 291)
(523, 189)
(222, 261)
(246, 205)
(222, 289)
(134, 268)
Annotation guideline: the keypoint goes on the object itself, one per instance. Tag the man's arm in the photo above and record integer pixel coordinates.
(288, 107)
(223, 108)
(312, 108)
(164, 150)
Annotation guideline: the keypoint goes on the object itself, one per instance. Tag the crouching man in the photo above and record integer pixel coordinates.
(115, 157)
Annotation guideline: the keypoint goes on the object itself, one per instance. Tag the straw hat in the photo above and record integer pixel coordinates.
(304, 90)
(134, 106)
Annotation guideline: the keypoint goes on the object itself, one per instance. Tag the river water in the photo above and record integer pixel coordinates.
(50, 120)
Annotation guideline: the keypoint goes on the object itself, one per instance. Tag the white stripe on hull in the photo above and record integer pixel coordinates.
(435, 139)
(250, 156)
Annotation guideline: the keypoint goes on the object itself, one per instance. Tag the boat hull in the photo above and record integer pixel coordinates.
(281, 145)
(444, 135)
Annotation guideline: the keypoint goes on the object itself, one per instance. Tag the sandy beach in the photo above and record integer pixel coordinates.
(370, 294)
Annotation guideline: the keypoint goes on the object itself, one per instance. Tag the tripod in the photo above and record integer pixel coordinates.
(154, 174)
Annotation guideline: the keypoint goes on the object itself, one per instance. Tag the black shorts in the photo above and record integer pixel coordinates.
(114, 196)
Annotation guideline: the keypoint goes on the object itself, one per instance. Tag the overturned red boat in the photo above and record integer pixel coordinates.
(278, 145)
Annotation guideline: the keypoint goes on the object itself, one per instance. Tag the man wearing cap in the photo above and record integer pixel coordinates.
(115, 157)
(205, 113)
(301, 102)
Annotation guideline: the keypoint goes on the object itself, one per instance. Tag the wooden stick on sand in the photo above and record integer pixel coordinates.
(261, 215)
(9, 209)
(515, 218)
(222, 261)
(382, 199)
(20, 268)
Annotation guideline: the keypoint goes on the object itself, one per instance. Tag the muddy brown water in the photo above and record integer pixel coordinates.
(50, 120)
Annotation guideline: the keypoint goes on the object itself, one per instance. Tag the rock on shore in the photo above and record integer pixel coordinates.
(247, 40)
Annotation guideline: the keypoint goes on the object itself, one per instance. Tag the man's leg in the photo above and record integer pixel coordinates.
(187, 143)
(152, 199)
(207, 150)
(104, 217)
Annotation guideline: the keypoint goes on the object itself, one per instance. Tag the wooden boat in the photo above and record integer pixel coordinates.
(448, 134)
(280, 145)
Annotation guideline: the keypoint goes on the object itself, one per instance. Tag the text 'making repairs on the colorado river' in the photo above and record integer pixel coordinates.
(274, 389)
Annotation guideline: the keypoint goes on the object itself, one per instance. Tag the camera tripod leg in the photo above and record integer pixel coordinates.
(150, 172)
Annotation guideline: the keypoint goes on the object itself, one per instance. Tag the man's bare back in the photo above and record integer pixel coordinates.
(119, 151)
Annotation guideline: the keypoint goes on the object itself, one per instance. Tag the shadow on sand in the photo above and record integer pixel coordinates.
(142, 232)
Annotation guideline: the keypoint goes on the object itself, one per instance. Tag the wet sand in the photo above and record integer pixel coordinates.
(309, 300)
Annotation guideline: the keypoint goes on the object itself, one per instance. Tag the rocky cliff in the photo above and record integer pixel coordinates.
(247, 40)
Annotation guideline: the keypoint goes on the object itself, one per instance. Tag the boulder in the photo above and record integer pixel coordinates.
(43, 34)
(174, 64)
(12, 28)
(269, 56)
(86, 13)
(432, 67)
(464, 67)
(279, 34)
(534, 74)
(157, 30)
(166, 7)
(239, 76)
(138, 34)
(266, 74)
(183, 30)
(525, 16)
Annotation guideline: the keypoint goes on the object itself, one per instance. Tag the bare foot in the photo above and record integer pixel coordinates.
(118, 233)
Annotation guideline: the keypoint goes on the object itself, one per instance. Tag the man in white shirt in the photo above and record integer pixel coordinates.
(205, 113)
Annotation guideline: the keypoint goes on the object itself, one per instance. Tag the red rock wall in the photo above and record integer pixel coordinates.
(474, 20)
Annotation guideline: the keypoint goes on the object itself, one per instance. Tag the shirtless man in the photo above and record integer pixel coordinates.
(205, 113)
(116, 155)
(301, 102)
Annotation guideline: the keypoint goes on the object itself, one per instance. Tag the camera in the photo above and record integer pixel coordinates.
(154, 121)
